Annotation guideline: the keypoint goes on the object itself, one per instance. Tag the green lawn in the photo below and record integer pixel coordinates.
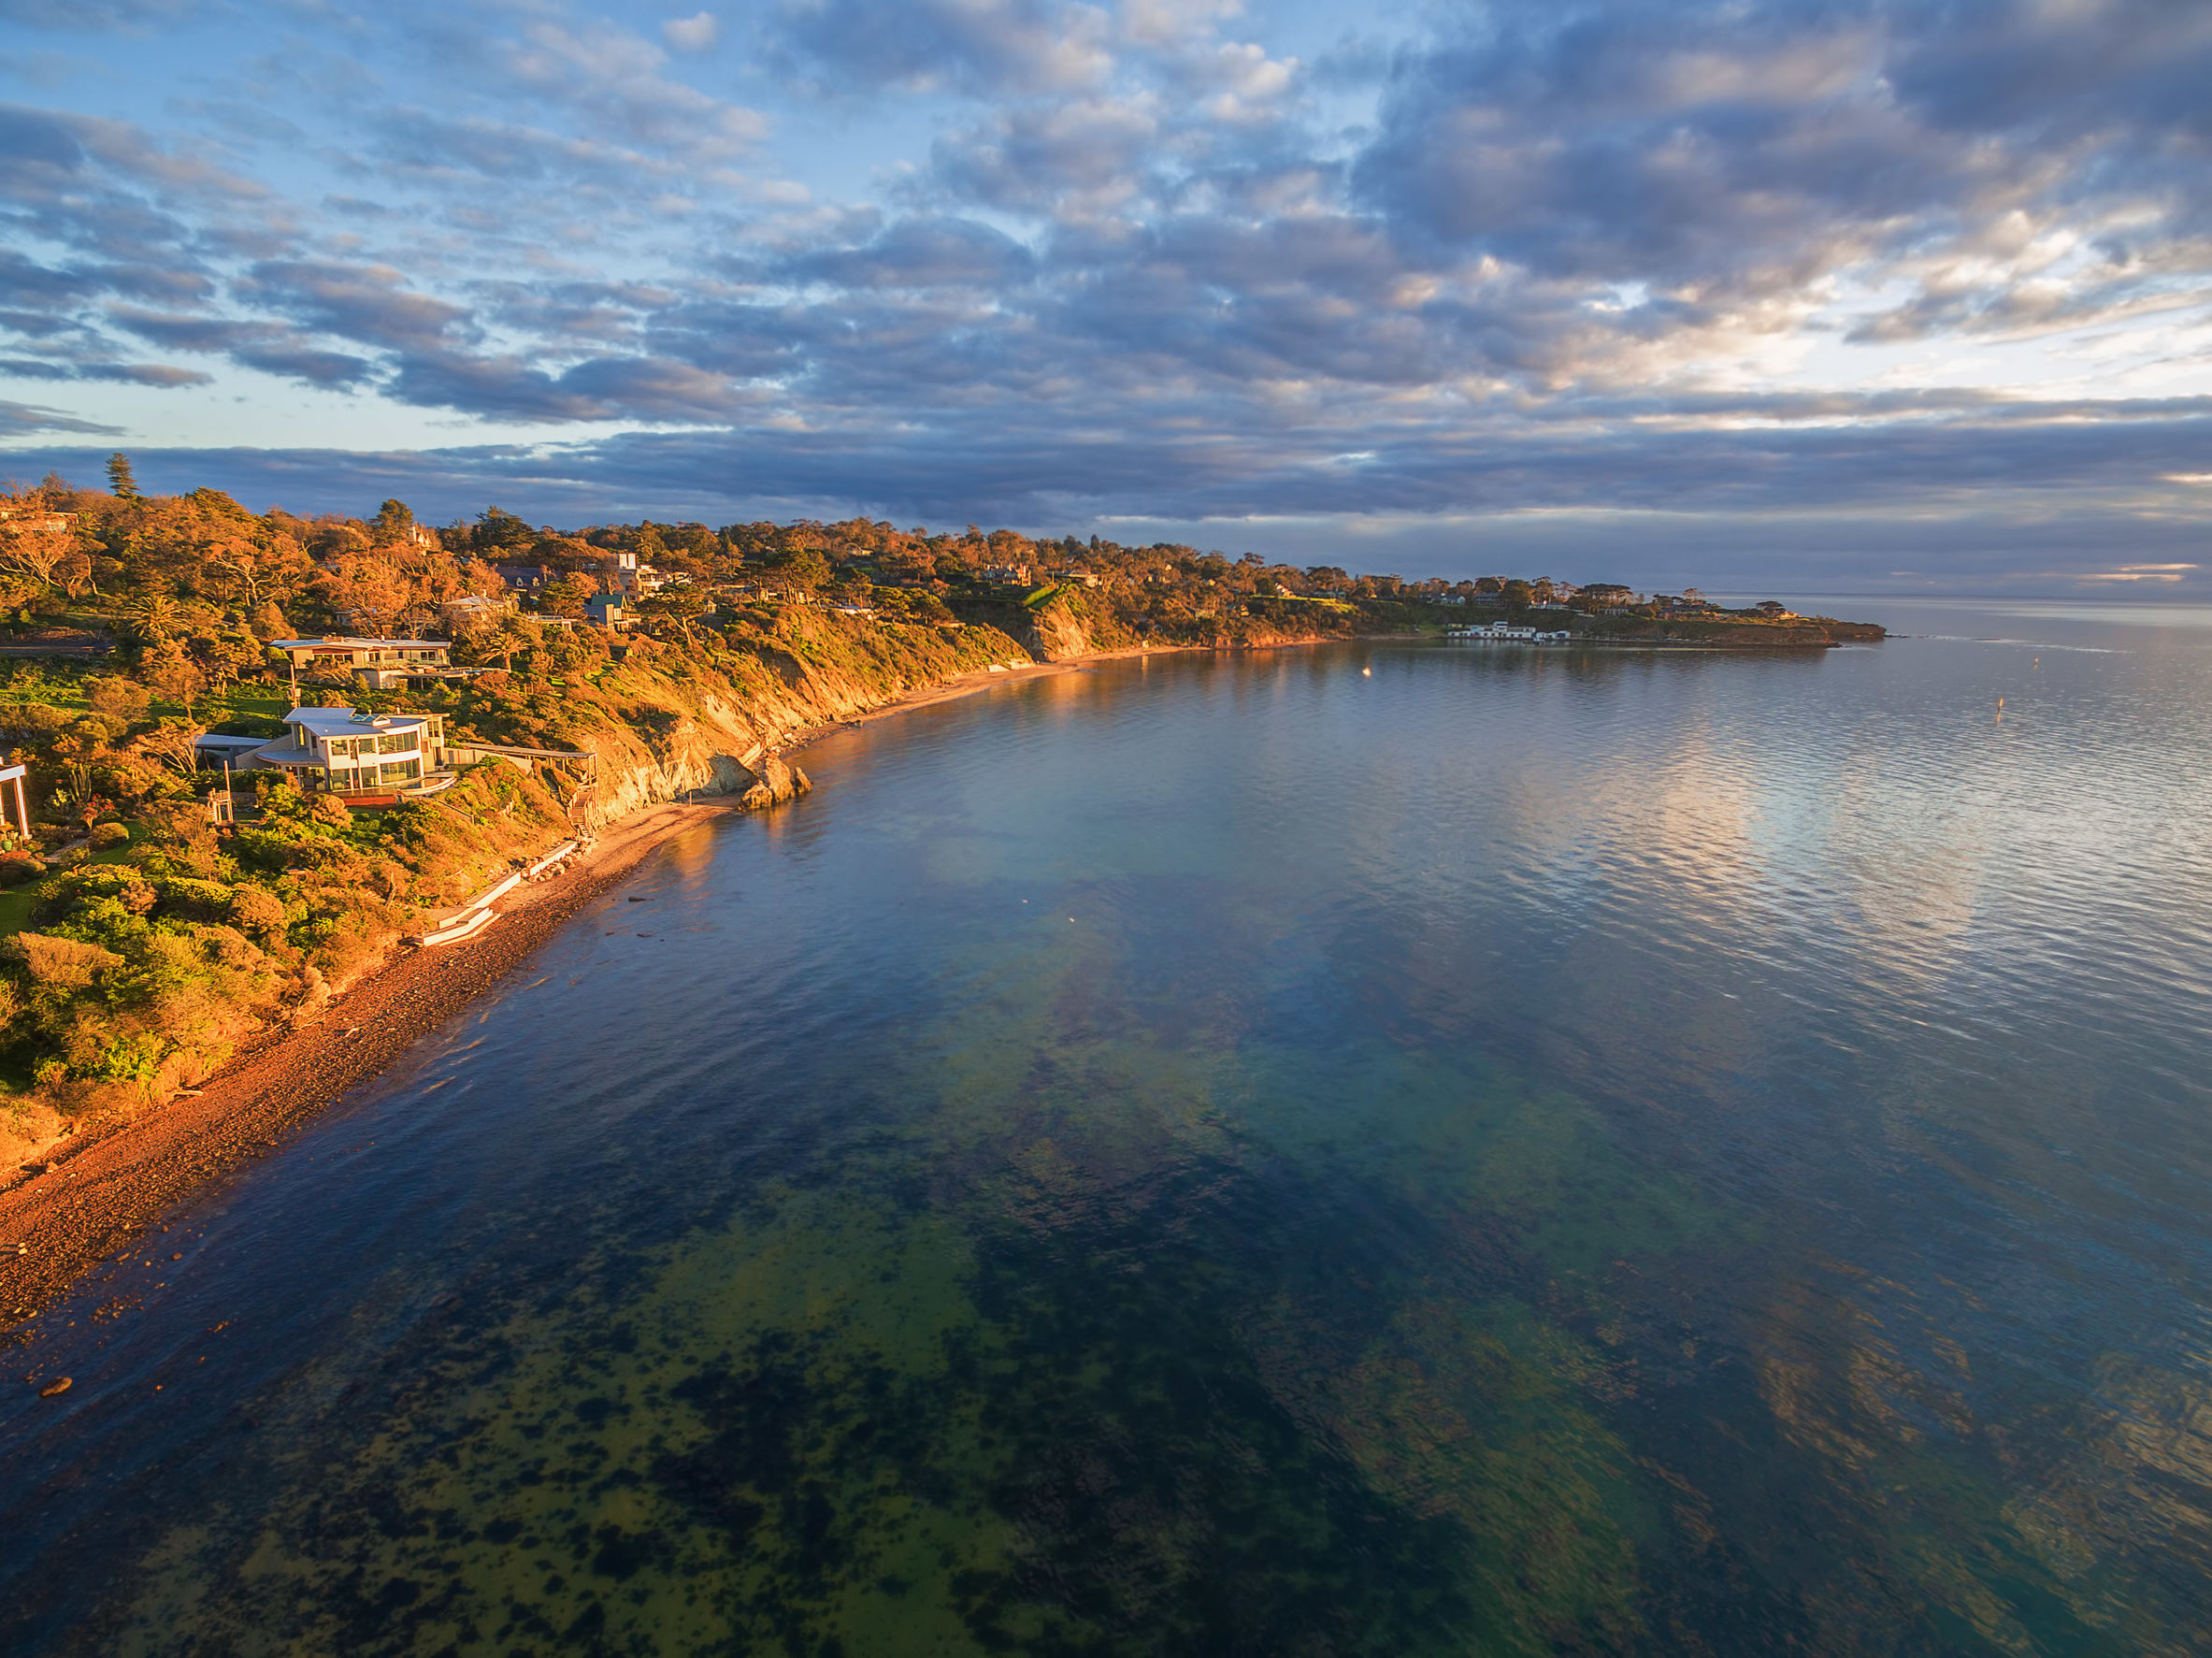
(15, 905)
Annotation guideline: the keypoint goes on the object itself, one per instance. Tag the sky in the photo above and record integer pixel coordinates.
(1814, 295)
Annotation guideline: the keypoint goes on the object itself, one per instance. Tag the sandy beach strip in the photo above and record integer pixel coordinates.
(98, 1200)
(110, 1196)
(104, 1196)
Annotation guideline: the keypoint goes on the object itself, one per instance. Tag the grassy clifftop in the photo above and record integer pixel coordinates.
(1784, 633)
(1057, 622)
(142, 955)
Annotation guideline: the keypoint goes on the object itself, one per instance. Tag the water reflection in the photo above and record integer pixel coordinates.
(1508, 1151)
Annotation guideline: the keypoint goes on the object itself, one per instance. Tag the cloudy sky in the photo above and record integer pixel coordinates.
(1819, 295)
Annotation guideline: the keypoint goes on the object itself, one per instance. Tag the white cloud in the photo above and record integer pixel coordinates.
(691, 34)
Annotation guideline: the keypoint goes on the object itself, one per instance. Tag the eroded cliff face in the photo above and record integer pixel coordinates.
(1078, 623)
(1071, 623)
(694, 767)
(672, 727)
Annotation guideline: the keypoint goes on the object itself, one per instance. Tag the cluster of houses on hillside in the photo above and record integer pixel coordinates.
(363, 758)
(366, 757)
(617, 574)
(1610, 599)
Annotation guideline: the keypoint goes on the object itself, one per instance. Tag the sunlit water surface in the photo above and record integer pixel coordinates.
(1383, 1149)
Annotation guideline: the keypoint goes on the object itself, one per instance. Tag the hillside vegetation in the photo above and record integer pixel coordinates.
(142, 942)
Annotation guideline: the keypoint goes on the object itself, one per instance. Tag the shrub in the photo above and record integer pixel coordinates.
(174, 822)
(73, 891)
(257, 913)
(105, 836)
(262, 848)
(195, 899)
(120, 702)
(33, 723)
(60, 964)
(15, 870)
(228, 947)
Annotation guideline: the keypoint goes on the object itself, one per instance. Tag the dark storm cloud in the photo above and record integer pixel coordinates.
(154, 374)
(1629, 143)
(370, 303)
(1954, 453)
(2061, 72)
(25, 282)
(1033, 158)
(117, 200)
(269, 347)
(655, 389)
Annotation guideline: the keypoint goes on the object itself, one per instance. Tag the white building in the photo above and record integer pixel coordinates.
(1499, 633)
(621, 572)
(350, 753)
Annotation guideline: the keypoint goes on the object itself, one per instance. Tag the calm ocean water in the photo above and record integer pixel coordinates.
(1383, 1149)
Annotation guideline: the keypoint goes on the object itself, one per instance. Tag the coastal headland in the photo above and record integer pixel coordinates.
(111, 1190)
(254, 761)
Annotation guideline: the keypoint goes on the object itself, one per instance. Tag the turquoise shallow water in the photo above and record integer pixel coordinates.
(1383, 1149)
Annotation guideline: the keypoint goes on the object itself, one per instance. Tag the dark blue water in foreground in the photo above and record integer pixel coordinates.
(1380, 1149)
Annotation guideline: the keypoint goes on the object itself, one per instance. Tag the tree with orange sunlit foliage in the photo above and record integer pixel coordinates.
(39, 547)
(368, 589)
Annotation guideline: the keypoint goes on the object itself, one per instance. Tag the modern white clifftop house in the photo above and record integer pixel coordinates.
(347, 752)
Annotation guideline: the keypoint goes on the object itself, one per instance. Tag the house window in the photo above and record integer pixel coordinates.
(395, 743)
(400, 770)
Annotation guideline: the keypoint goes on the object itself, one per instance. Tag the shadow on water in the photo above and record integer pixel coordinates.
(1247, 1157)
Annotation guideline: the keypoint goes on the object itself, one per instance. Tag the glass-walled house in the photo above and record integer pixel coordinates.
(348, 751)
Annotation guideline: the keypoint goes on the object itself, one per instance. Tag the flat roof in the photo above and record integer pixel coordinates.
(302, 644)
(345, 722)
